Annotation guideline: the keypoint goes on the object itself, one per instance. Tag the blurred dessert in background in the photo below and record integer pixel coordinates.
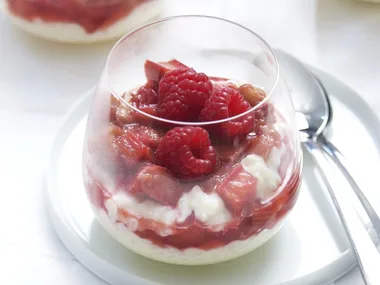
(81, 21)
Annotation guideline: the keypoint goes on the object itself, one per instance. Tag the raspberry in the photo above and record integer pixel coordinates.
(187, 152)
(182, 94)
(174, 107)
(240, 126)
(145, 96)
(224, 103)
(145, 99)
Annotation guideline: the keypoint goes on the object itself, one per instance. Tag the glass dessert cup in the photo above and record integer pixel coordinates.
(81, 21)
(185, 167)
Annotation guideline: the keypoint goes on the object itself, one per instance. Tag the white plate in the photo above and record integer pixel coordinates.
(311, 248)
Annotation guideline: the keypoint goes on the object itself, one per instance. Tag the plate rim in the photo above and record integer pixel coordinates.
(97, 265)
(79, 249)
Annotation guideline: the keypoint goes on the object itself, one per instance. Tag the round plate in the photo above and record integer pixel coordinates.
(311, 248)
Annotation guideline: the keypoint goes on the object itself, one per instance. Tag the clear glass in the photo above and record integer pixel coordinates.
(81, 21)
(146, 192)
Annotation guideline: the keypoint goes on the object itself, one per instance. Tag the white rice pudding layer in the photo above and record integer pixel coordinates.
(207, 208)
(74, 33)
(190, 256)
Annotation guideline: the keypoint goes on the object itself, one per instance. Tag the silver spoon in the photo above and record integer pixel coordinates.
(340, 161)
(313, 87)
(313, 115)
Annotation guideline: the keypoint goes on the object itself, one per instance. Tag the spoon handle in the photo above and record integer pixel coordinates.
(365, 250)
(340, 161)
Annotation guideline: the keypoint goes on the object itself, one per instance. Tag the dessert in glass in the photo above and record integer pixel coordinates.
(191, 155)
(81, 21)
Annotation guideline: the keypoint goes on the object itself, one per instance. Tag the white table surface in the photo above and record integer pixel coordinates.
(40, 80)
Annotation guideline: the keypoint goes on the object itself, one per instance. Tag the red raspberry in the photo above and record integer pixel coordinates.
(174, 107)
(145, 99)
(182, 94)
(145, 96)
(187, 152)
(227, 102)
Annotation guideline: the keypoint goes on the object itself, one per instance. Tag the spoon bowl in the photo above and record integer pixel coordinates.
(312, 108)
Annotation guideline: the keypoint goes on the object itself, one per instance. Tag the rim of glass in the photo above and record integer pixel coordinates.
(136, 30)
